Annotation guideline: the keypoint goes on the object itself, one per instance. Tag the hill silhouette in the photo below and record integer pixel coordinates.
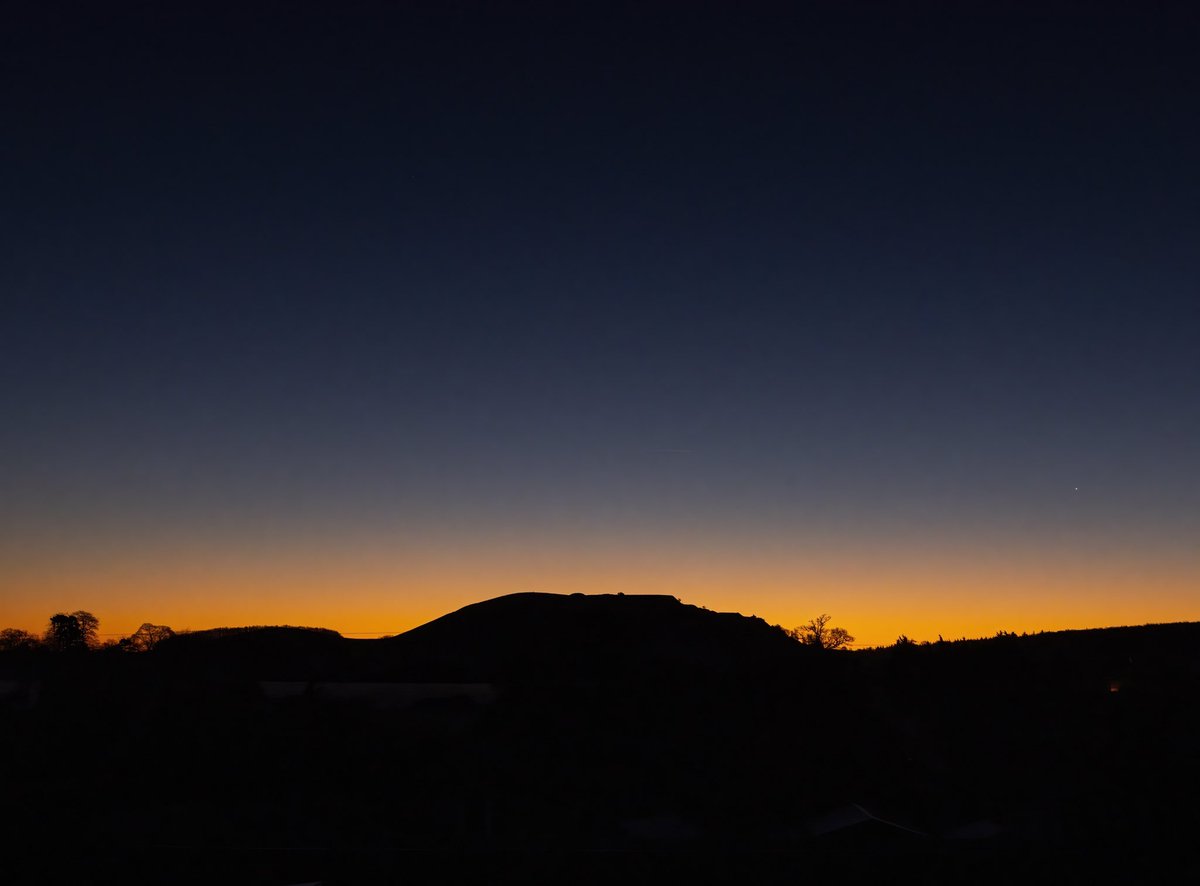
(275, 652)
(525, 636)
(556, 636)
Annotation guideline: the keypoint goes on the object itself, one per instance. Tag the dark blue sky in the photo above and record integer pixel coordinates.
(835, 272)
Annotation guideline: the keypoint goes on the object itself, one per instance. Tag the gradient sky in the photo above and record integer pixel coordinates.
(352, 314)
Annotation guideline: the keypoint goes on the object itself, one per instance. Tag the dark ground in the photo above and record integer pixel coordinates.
(623, 736)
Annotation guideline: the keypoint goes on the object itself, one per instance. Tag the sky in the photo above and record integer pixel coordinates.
(353, 314)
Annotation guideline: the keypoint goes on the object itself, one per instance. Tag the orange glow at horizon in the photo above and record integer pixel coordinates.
(877, 591)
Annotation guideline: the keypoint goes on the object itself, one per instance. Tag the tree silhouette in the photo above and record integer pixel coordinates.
(17, 640)
(76, 631)
(64, 633)
(818, 633)
(89, 625)
(147, 637)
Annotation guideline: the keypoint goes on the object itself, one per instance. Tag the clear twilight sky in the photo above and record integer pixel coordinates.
(350, 314)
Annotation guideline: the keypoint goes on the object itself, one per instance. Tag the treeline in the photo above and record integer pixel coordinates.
(78, 632)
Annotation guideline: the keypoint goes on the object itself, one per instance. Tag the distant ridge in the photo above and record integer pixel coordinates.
(527, 636)
(544, 635)
(260, 652)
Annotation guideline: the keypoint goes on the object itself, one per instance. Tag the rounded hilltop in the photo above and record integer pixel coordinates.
(544, 634)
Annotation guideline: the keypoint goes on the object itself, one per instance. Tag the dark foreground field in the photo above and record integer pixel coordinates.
(597, 738)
